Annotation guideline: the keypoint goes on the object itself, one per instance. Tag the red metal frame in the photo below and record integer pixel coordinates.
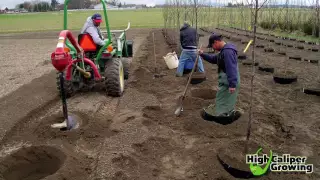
(86, 60)
(62, 60)
(67, 34)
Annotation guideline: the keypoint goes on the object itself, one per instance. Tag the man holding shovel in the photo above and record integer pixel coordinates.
(229, 80)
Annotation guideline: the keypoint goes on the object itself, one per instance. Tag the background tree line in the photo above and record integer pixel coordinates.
(43, 6)
(38, 6)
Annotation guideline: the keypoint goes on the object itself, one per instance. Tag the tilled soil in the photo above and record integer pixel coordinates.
(138, 136)
(27, 115)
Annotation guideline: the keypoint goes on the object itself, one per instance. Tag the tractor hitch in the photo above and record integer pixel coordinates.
(82, 71)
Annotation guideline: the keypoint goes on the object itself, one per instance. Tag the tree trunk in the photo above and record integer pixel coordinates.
(253, 73)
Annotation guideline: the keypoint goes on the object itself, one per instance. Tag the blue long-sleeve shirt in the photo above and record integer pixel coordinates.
(227, 61)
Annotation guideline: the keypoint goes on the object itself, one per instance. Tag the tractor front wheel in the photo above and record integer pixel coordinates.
(114, 77)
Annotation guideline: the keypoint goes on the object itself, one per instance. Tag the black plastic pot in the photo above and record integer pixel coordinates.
(311, 91)
(266, 68)
(285, 78)
(224, 120)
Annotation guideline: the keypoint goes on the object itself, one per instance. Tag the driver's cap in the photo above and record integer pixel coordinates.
(97, 18)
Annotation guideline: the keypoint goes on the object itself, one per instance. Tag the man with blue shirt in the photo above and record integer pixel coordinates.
(188, 39)
(228, 79)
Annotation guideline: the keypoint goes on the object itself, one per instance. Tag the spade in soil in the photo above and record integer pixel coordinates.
(179, 108)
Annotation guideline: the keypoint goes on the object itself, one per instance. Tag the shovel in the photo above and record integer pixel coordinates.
(181, 98)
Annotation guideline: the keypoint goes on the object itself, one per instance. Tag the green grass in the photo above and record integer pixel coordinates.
(146, 18)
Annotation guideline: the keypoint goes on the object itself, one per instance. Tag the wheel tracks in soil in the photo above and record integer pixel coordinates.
(44, 109)
(130, 145)
(50, 84)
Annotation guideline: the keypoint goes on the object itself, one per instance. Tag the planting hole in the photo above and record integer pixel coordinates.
(269, 49)
(204, 93)
(242, 56)
(260, 46)
(295, 57)
(32, 163)
(278, 43)
(198, 77)
(266, 68)
(57, 121)
(313, 61)
(250, 62)
(244, 41)
(300, 47)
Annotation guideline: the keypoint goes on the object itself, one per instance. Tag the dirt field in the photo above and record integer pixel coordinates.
(137, 136)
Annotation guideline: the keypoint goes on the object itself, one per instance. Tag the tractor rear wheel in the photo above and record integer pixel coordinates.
(69, 88)
(126, 66)
(114, 77)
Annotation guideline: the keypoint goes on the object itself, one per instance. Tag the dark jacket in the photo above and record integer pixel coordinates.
(188, 37)
(227, 61)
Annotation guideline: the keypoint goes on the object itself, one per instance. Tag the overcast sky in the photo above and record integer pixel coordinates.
(13, 3)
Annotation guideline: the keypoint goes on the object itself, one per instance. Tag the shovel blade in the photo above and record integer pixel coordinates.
(178, 111)
(179, 108)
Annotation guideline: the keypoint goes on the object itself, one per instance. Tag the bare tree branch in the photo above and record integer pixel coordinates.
(262, 5)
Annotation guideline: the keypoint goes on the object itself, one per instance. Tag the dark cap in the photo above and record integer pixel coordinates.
(97, 17)
(214, 37)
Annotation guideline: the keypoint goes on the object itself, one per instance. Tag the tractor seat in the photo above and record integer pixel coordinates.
(86, 43)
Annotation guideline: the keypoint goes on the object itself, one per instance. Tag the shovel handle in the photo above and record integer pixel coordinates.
(193, 69)
(154, 53)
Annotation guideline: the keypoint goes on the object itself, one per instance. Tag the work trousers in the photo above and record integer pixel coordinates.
(225, 101)
(187, 60)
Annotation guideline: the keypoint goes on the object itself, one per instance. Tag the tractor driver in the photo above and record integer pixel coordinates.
(91, 27)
